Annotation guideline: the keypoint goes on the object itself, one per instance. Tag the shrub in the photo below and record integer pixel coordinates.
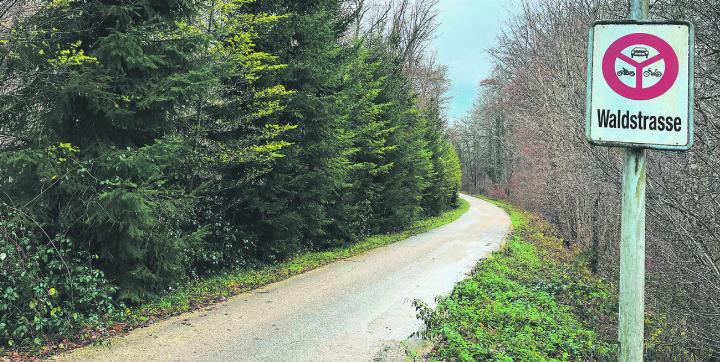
(46, 286)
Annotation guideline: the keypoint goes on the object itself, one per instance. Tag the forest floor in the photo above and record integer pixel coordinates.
(347, 310)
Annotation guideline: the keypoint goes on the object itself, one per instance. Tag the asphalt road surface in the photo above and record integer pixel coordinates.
(351, 310)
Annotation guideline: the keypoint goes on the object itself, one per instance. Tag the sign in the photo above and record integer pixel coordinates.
(640, 85)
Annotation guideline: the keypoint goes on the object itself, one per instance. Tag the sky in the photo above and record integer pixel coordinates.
(468, 28)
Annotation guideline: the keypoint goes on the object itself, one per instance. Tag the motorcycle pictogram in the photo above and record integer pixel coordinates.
(624, 71)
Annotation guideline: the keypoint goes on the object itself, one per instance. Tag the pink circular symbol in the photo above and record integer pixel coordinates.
(637, 40)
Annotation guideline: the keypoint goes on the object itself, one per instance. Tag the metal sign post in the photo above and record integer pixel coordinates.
(640, 92)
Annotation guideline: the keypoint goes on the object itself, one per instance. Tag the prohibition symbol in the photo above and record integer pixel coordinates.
(639, 92)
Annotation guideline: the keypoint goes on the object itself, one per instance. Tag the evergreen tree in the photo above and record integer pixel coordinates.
(155, 107)
(392, 162)
(236, 139)
(301, 200)
(442, 193)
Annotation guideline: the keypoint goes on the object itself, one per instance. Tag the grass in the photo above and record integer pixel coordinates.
(535, 300)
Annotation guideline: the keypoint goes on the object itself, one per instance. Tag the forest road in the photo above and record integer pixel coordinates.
(351, 310)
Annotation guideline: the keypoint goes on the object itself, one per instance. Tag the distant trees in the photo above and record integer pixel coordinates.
(481, 141)
(536, 99)
(146, 143)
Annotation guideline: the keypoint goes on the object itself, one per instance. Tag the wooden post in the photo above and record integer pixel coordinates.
(631, 331)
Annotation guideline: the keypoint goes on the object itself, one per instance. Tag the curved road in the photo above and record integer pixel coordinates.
(347, 311)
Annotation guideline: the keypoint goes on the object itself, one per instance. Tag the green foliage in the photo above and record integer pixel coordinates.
(391, 163)
(529, 302)
(299, 206)
(399, 200)
(137, 216)
(447, 177)
(122, 204)
(47, 286)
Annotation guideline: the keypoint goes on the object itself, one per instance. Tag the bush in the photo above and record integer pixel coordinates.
(122, 206)
(46, 286)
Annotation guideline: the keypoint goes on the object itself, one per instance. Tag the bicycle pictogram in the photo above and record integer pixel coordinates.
(652, 73)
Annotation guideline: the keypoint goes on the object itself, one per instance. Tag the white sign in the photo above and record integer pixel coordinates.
(640, 85)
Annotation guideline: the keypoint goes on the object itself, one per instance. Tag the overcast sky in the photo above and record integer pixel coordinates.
(467, 29)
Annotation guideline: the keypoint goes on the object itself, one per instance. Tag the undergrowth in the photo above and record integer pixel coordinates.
(201, 293)
(211, 289)
(535, 300)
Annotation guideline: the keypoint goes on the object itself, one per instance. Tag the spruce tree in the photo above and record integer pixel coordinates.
(302, 200)
(104, 79)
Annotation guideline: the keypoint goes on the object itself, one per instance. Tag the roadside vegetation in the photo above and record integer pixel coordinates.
(147, 147)
(534, 300)
(217, 288)
(537, 299)
(205, 292)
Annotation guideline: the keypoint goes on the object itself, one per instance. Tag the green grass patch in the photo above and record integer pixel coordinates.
(201, 293)
(535, 300)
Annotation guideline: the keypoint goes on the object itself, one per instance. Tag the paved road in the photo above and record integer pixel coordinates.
(346, 311)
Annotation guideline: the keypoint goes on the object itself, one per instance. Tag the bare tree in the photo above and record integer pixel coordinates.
(406, 28)
(539, 92)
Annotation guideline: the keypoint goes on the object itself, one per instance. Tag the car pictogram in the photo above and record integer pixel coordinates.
(639, 52)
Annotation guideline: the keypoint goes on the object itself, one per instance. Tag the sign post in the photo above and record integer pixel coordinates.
(640, 92)
(632, 258)
(631, 327)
